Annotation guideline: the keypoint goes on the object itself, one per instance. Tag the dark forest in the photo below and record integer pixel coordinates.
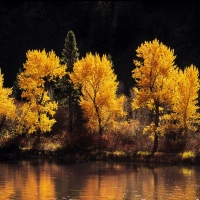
(106, 27)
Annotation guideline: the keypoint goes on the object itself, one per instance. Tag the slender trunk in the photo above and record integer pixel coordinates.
(99, 120)
(185, 124)
(70, 114)
(100, 127)
(100, 130)
(2, 121)
(39, 139)
(155, 145)
(38, 134)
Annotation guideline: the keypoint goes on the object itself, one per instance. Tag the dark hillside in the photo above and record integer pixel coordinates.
(113, 27)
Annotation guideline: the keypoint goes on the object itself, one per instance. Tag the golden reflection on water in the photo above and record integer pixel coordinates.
(27, 182)
(143, 183)
(42, 180)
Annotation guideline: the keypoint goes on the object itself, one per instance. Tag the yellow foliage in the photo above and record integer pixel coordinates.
(169, 124)
(186, 98)
(154, 76)
(7, 106)
(98, 83)
(143, 153)
(188, 155)
(40, 70)
(171, 93)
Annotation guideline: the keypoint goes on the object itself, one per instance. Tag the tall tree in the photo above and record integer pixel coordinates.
(7, 106)
(66, 95)
(154, 75)
(186, 99)
(100, 104)
(40, 70)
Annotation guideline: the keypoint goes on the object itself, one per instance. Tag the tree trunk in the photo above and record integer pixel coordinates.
(70, 114)
(37, 141)
(99, 120)
(2, 121)
(99, 123)
(155, 145)
(100, 130)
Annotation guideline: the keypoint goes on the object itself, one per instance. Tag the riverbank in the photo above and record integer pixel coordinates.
(144, 157)
(78, 157)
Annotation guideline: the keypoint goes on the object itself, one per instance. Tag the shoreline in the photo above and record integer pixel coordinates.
(79, 157)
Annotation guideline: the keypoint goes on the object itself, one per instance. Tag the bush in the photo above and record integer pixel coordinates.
(188, 155)
(174, 145)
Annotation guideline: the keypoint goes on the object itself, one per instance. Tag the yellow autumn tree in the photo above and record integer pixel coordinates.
(154, 74)
(186, 99)
(7, 106)
(101, 106)
(40, 70)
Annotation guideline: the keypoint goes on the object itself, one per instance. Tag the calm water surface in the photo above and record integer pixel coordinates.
(46, 179)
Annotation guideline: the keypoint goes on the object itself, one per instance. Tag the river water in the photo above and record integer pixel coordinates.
(39, 179)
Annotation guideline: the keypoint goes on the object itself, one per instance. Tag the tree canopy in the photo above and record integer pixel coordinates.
(186, 99)
(7, 106)
(99, 101)
(40, 70)
(154, 75)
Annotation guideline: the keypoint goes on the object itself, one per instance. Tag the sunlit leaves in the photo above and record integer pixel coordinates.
(160, 83)
(40, 70)
(154, 75)
(7, 106)
(98, 83)
(186, 98)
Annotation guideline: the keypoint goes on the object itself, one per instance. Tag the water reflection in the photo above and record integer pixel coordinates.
(45, 179)
(26, 180)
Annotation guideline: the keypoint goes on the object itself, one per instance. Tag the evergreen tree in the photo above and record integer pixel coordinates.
(16, 90)
(65, 93)
(70, 53)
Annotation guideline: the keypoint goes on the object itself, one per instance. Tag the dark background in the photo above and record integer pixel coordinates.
(106, 27)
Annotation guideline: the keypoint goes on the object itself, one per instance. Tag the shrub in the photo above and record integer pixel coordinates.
(188, 155)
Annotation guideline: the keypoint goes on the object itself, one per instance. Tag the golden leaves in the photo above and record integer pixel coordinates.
(186, 98)
(159, 81)
(7, 106)
(98, 83)
(40, 70)
(154, 75)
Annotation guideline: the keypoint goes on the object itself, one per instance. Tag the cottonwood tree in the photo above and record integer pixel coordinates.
(183, 116)
(7, 106)
(65, 92)
(100, 104)
(185, 104)
(40, 69)
(154, 74)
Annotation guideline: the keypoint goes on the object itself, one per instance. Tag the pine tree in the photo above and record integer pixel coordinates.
(16, 90)
(65, 93)
(70, 53)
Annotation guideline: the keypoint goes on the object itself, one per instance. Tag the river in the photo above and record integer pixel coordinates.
(41, 179)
